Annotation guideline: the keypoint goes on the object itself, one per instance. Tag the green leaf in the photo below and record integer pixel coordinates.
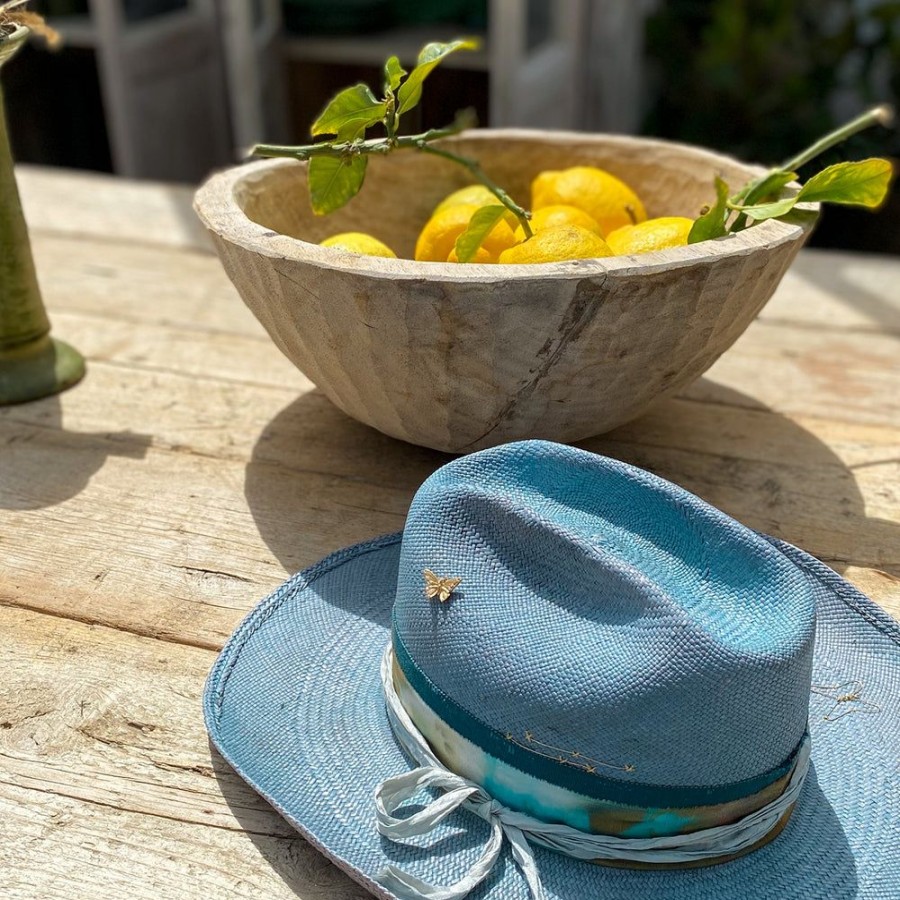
(762, 200)
(761, 211)
(334, 181)
(354, 108)
(799, 217)
(479, 227)
(769, 187)
(431, 54)
(712, 223)
(393, 73)
(863, 183)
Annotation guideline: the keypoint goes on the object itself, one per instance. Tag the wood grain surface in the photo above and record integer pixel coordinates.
(145, 511)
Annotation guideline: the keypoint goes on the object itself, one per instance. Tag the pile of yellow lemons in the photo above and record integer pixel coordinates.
(578, 213)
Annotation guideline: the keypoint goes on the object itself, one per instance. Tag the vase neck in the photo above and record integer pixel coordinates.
(22, 314)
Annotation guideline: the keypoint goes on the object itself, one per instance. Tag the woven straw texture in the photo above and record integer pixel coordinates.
(295, 705)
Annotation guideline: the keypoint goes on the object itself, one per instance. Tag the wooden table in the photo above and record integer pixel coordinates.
(146, 510)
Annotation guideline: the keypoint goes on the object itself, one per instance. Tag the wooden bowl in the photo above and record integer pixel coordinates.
(461, 357)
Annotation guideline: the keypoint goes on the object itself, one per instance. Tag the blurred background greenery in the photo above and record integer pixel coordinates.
(756, 78)
(762, 78)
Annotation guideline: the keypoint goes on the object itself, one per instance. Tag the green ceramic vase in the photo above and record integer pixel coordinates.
(32, 364)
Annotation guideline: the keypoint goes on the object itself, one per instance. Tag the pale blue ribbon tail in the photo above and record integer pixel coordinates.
(392, 793)
(521, 851)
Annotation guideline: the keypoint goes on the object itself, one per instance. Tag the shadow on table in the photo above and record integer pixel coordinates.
(297, 863)
(316, 471)
(42, 464)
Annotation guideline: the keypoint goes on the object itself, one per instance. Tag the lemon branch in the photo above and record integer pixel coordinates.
(755, 190)
(475, 169)
(421, 142)
(337, 167)
(373, 146)
(864, 183)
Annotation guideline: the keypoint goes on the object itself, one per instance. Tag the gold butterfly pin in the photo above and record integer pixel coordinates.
(441, 588)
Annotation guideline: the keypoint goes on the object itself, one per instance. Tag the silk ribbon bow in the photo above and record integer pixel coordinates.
(459, 792)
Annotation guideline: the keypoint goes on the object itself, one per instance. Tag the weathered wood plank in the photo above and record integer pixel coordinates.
(833, 290)
(108, 785)
(83, 204)
(165, 543)
(296, 427)
(115, 719)
(247, 358)
(139, 284)
(64, 849)
(843, 376)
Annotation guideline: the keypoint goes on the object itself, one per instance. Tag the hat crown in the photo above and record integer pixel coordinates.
(605, 614)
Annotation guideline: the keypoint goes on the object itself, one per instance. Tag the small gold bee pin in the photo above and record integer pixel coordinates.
(441, 588)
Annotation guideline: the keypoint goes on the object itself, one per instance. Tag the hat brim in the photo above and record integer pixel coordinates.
(294, 703)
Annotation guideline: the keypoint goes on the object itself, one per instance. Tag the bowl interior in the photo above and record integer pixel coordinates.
(402, 189)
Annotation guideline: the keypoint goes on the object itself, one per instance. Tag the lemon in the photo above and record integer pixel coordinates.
(481, 256)
(359, 242)
(473, 194)
(559, 214)
(606, 199)
(556, 244)
(654, 234)
(438, 237)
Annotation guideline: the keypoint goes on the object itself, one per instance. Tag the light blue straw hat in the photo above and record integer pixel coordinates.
(569, 679)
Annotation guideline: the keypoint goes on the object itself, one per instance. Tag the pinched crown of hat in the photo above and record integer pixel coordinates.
(610, 637)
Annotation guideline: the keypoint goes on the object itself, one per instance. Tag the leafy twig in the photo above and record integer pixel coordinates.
(864, 183)
(337, 166)
(380, 146)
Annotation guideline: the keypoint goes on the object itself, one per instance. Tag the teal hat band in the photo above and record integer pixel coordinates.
(607, 781)
(697, 846)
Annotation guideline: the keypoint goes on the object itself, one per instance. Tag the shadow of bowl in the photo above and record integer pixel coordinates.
(316, 472)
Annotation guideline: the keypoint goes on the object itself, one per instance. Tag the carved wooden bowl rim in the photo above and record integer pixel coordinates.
(218, 205)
